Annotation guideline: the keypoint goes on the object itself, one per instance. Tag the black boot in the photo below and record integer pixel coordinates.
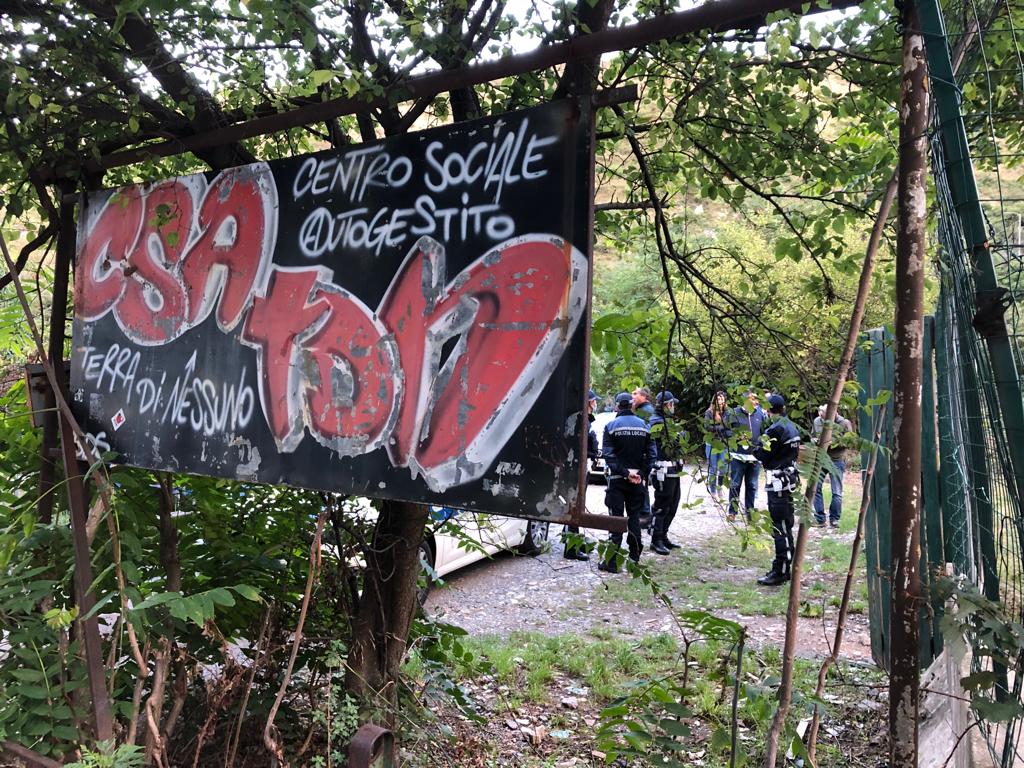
(572, 553)
(773, 578)
(607, 567)
(658, 545)
(665, 542)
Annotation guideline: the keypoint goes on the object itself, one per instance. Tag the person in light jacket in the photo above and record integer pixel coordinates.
(837, 455)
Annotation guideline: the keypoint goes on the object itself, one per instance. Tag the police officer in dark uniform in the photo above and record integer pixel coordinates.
(780, 446)
(629, 452)
(665, 477)
(571, 550)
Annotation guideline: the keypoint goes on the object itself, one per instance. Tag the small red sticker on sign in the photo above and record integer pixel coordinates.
(118, 419)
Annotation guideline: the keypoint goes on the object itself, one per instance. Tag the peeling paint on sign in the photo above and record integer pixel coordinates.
(397, 319)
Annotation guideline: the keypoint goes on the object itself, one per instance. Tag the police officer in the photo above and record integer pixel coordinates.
(571, 551)
(778, 453)
(629, 452)
(643, 408)
(665, 477)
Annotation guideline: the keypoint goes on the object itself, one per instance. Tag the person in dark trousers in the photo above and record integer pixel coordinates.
(746, 421)
(571, 550)
(629, 452)
(665, 477)
(778, 453)
(837, 455)
(643, 408)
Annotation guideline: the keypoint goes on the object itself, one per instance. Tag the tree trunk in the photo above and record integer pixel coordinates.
(380, 630)
(904, 679)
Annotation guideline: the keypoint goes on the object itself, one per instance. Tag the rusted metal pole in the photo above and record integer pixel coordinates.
(55, 351)
(77, 498)
(904, 678)
(84, 598)
(713, 16)
(75, 482)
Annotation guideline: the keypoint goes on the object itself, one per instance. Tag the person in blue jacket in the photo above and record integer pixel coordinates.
(745, 422)
(629, 452)
(570, 548)
(665, 477)
(778, 452)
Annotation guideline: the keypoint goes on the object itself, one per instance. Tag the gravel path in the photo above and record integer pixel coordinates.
(554, 596)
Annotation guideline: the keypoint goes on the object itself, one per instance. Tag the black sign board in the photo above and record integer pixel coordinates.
(403, 319)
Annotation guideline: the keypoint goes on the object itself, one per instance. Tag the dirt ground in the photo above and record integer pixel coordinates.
(551, 595)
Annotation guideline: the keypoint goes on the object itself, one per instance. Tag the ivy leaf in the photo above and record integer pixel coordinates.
(721, 739)
(320, 76)
(248, 592)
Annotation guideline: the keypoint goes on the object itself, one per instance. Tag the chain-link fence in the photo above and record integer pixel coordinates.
(974, 414)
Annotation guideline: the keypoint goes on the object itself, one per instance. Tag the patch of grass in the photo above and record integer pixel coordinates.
(530, 662)
(811, 609)
(539, 669)
(834, 555)
(721, 575)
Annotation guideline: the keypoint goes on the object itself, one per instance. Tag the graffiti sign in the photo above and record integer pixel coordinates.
(403, 319)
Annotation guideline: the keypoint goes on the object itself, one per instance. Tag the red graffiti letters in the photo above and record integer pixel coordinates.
(510, 311)
(441, 374)
(160, 258)
(325, 364)
(235, 222)
(328, 364)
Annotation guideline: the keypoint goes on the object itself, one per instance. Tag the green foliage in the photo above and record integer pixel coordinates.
(107, 755)
(649, 720)
(338, 713)
(440, 649)
(782, 335)
(996, 641)
(238, 548)
(653, 717)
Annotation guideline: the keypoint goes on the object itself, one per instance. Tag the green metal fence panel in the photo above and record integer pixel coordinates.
(954, 505)
(932, 560)
(875, 375)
